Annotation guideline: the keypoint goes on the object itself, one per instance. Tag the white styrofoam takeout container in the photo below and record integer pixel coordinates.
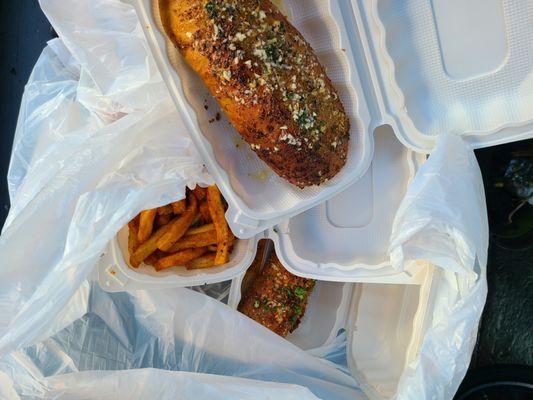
(342, 240)
(257, 197)
(384, 324)
(424, 67)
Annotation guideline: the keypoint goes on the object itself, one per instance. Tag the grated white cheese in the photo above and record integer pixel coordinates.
(226, 74)
(240, 36)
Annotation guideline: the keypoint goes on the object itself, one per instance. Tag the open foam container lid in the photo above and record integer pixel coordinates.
(436, 66)
(346, 238)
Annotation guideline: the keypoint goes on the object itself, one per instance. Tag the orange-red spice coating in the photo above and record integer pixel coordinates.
(277, 299)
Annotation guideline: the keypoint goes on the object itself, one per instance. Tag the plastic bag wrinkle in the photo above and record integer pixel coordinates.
(443, 220)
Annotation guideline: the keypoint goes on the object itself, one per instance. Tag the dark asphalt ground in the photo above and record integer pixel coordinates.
(506, 332)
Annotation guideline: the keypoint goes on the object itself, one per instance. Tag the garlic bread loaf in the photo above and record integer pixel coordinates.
(267, 80)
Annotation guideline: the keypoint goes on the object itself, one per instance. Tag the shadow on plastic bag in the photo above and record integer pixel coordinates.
(172, 330)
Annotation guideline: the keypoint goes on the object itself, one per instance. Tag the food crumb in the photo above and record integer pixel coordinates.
(217, 116)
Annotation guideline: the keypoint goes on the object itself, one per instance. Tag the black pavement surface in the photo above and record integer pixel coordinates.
(24, 31)
(506, 334)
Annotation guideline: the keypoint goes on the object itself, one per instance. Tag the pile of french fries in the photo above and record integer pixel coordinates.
(192, 232)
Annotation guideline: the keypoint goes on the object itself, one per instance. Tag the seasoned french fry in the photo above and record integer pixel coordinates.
(165, 210)
(201, 229)
(178, 259)
(151, 259)
(216, 208)
(133, 239)
(146, 224)
(196, 222)
(205, 261)
(163, 219)
(194, 241)
(148, 247)
(179, 226)
(223, 250)
(191, 232)
(154, 257)
(179, 207)
(200, 193)
(204, 212)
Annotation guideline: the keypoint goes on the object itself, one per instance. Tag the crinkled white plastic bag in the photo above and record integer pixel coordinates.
(169, 330)
(443, 220)
(158, 384)
(78, 174)
(98, 140)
